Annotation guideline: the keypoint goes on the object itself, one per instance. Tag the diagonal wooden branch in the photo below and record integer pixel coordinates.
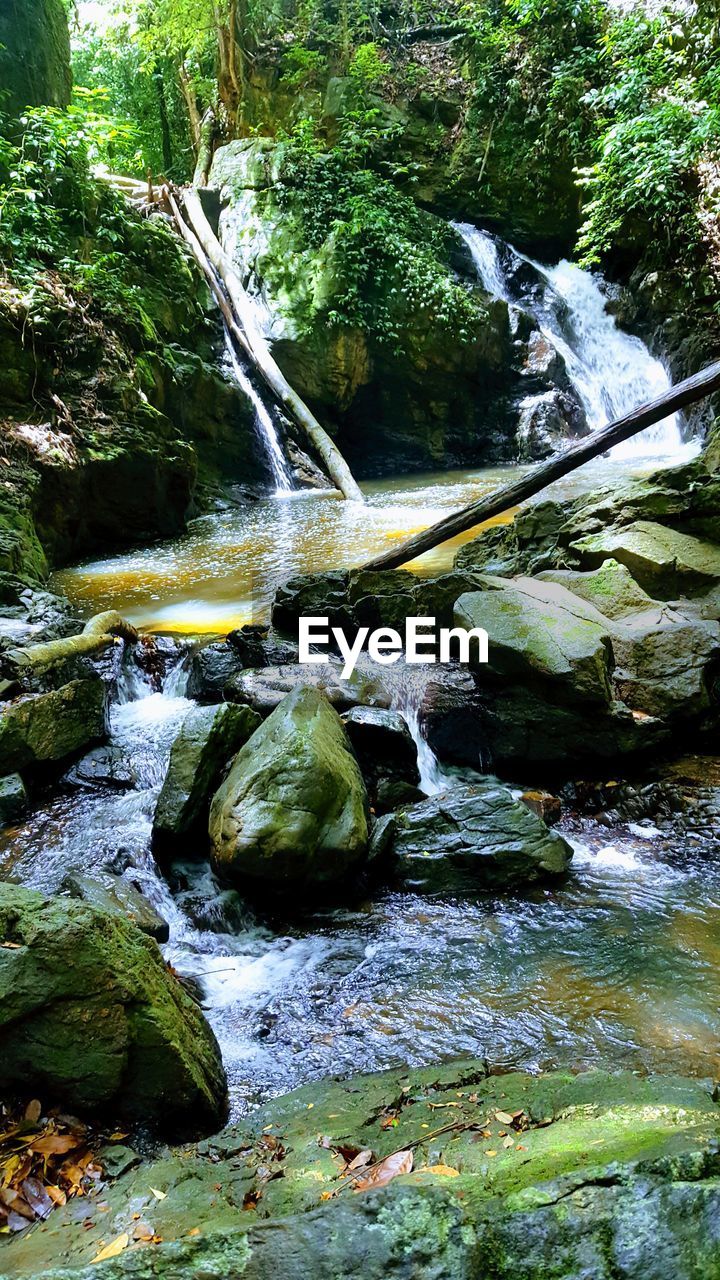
(685, 393)
(216, 265)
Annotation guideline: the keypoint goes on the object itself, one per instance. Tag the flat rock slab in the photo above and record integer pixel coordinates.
(662, 560)
(609, 1176)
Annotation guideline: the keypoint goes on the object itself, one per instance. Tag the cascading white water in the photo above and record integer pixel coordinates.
(266, 426)
(486, 258)
(611, 371)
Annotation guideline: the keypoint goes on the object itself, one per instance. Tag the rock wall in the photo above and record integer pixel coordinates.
(438, 397)
(34, 54)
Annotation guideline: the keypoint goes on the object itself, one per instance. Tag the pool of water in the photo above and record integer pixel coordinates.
(223, 571)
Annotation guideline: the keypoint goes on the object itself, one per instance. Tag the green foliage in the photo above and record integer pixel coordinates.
(302, 67)
(659, 111)
(532, 63)
(367, 68)
(58, 221)
(389, 258)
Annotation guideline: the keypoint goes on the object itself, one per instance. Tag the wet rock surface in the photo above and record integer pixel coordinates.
(91, 1014)
(13, 799)
(44, 728)
(521, 1173)
(387, 755)
(293, 811)
(115, 894)
(473, 837)
(207, 741)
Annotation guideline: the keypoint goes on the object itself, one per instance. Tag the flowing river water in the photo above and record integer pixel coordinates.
(617, 966)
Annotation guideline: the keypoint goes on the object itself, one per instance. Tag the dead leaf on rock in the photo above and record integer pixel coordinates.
(362, 1159)
(391, 1167)
(441, 1171)
(114, 1249)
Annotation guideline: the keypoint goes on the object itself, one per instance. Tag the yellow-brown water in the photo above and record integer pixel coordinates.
(223, 571)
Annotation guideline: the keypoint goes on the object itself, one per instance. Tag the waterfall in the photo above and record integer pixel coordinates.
(611, 371)
(265, 424)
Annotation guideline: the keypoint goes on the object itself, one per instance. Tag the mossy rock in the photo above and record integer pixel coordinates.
(91, 1015)
(293, 811)
(209, 737)
(473, 837)
(603, 1176)
(42, 728)
(541, 630)
(661, 559)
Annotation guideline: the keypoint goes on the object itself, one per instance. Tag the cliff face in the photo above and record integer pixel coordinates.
(34, 54)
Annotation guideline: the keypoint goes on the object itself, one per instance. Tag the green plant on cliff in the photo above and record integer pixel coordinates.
(56, 217)
(659, 110)
(389, 258)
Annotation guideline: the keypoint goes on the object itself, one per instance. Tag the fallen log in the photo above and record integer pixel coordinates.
(102, 631)
(685, 393)
(215, 264)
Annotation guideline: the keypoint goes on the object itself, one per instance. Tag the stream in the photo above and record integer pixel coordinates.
(616, 967)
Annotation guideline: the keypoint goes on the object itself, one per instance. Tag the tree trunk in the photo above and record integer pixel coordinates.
(685, 393)
(215, 263)
(164, 122)
(208, 126)
(190, 97)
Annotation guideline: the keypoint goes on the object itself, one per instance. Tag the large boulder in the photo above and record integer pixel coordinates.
(435, 393)
(583, 1176)
(42, 728)
(664, 561)
(293, 811)
(475, 837)
(542, 631)
(91, 1015)
(209, 737)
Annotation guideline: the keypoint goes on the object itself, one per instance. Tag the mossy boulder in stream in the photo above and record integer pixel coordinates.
(512, 1177)
(91, 1015)
(473, 837)
(208, 739)
(42, 728)
(293, 810)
